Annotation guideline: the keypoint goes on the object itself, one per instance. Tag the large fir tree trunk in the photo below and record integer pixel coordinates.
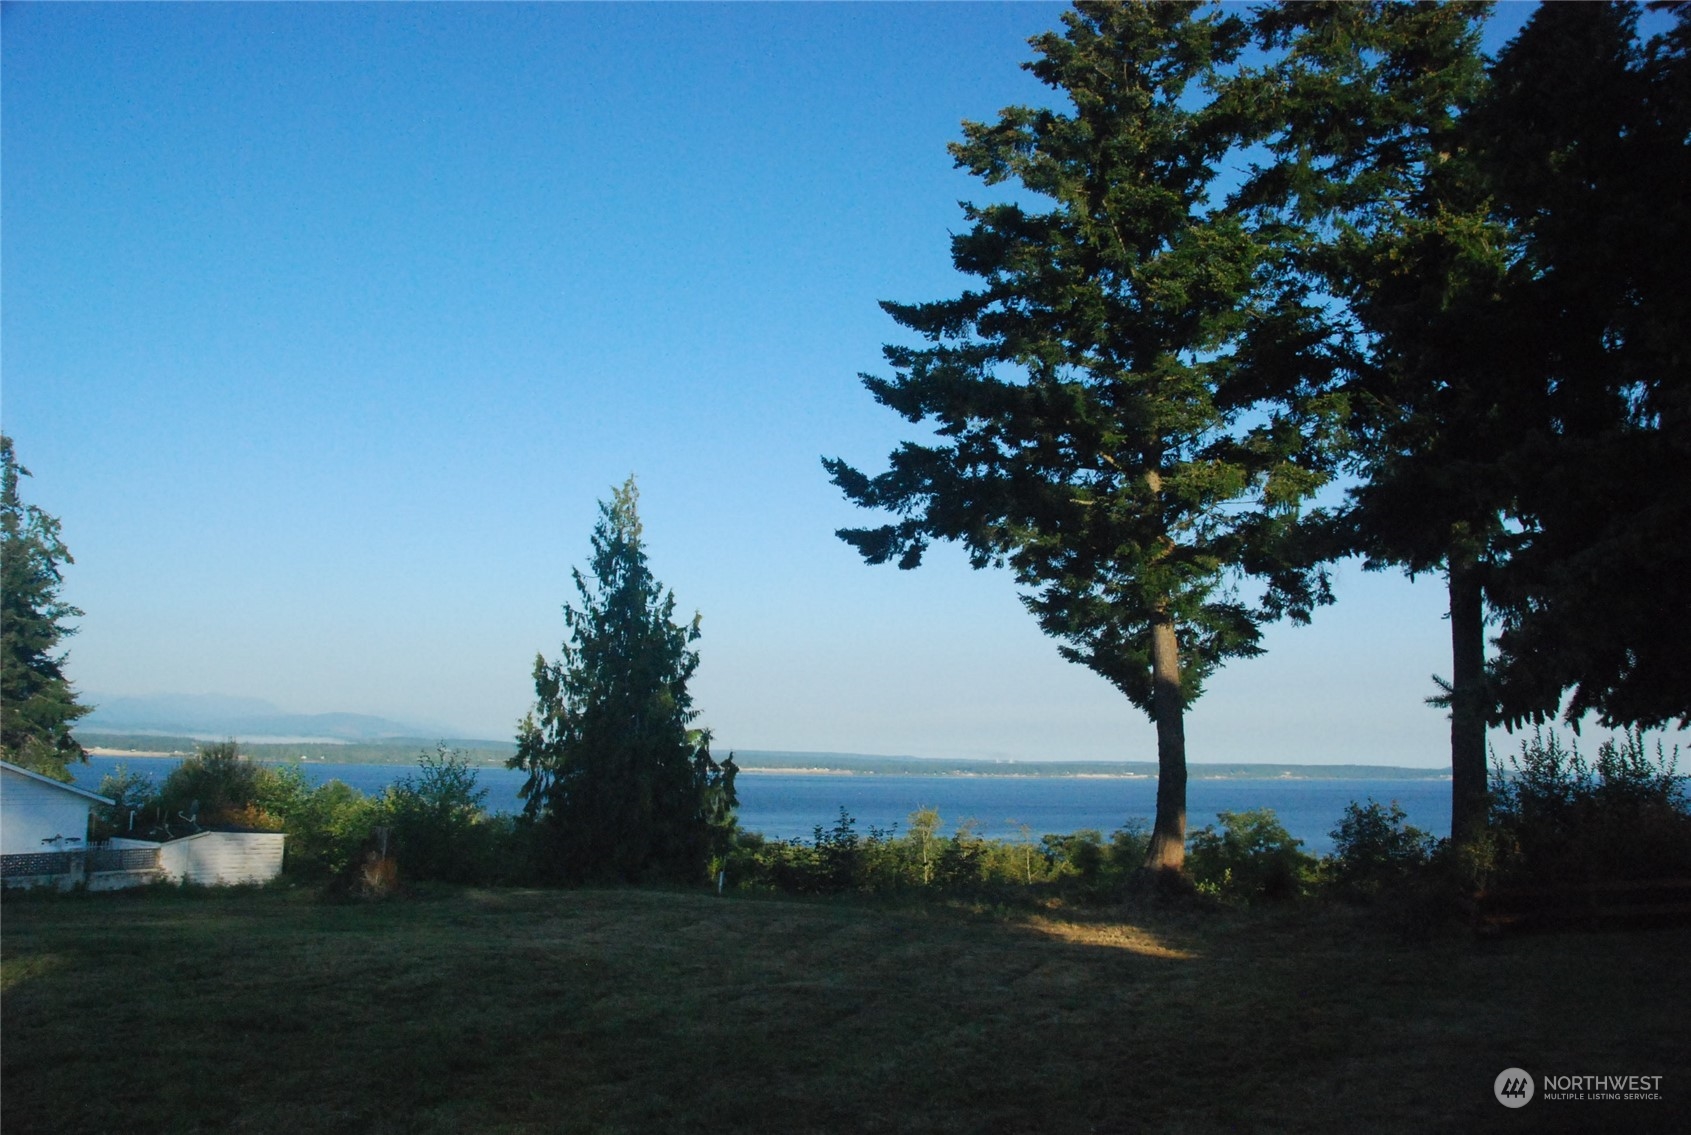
(1168, 836)
(1467, 700)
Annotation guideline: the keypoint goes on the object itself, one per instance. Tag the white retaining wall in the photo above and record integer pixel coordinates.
(213, 858)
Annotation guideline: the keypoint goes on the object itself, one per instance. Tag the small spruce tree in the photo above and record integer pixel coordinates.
(623, 787)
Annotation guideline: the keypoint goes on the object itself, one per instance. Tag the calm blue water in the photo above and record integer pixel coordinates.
(790, 805)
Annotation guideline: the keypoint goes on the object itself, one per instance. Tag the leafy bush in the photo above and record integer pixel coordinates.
(216, 787)
(1129, 844)
(836, 860)
(210, 788)
(839, 855)
(332, 824)
(1374, 850)
(439, 827)
(134, 807)
(1079, 855)
(282, 790)
(1557, 818)
(963, 860)
(1251, 857)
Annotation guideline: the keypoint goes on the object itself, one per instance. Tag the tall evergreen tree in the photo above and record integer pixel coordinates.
(1362, 107)
(1586, 135)
(1112, 417)
(37, 704)
(1506, 254)
(622, 785)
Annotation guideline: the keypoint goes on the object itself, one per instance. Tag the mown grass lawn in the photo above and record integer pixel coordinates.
(643, 1011)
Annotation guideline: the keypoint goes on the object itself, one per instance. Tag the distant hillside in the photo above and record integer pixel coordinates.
(391, 751)
(213, 715)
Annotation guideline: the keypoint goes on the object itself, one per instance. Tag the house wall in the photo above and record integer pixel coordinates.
(31, 812)
(213, 858)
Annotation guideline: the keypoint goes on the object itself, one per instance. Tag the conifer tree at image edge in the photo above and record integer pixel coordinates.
(1504, 244)
(37, 703)
(621, 785)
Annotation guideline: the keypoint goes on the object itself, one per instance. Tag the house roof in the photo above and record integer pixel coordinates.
(59, 784)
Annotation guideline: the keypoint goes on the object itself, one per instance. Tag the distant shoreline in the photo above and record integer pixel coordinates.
(837, 765)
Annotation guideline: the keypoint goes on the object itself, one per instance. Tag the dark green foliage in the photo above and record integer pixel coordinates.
(134, 797)
(839, 860)
(1507, 253)
(439, 828)
(215, 787)
(625, 788)
(38, 706)
(1119, 403)
(839, 855)
(1251, 857)
(1375, 851)
(1559, 819)
(1081, 854)
(963, 860)
(1124, 841)
(326, 833)
(434, 825)
(1092, 869)
(1586, 130)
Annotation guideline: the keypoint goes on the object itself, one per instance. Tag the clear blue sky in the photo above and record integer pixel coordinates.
(325, 327)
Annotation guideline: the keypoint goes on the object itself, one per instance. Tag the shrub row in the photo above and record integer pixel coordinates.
(1247, 856)
(839, 859)
(1555, 819)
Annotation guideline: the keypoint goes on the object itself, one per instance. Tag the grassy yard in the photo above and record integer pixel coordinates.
(638, 1011)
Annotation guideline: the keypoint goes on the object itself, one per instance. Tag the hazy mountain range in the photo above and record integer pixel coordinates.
(215, 715)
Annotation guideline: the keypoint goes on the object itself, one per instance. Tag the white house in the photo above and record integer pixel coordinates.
(42, 821)
(38, 813)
